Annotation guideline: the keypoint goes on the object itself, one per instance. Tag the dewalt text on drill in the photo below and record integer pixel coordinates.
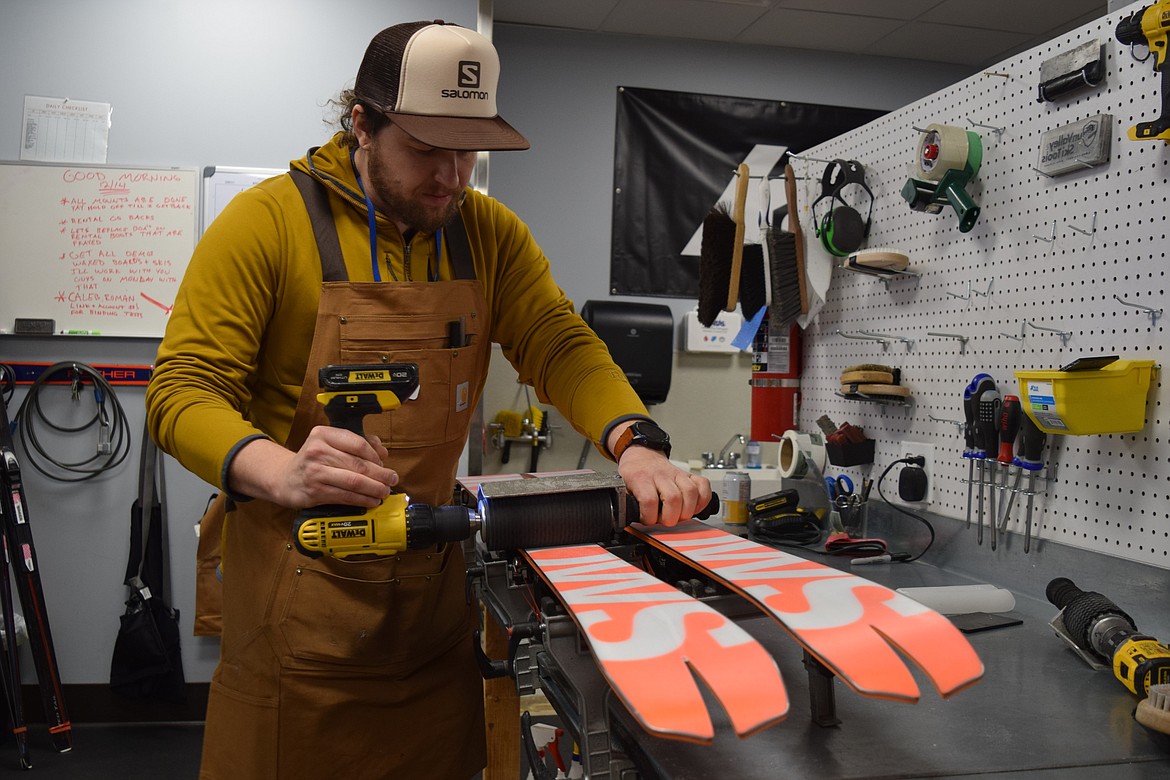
(1151, 26)
(348, 394)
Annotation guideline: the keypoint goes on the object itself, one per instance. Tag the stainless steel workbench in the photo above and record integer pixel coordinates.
(1040, 711)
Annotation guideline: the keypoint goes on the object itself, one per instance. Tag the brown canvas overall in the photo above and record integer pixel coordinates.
(360, 669)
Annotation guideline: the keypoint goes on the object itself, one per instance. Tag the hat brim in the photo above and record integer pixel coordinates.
(465, 134)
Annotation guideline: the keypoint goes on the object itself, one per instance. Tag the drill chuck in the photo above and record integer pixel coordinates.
(1093, 621)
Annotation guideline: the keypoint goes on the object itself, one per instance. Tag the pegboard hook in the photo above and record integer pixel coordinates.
(961, 339)
(1047, 239)
(1064, 335)
(1091, 231)
(908, 342)
(997, 130)
(1154, 313)
(966, 297)
(957, 423)
(809, 159)
(864, 336)
(986, 293)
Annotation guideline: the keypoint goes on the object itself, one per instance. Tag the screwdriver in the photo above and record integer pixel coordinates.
(989, 403)
(1031, 460)
(970, 398)
(1009, 428)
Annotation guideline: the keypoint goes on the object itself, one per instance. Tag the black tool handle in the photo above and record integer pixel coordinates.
(1034, 440)
(982, 384)
(989, 404)
(969, 420)
(633, 512)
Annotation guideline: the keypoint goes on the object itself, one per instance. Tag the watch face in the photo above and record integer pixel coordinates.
(650, 433)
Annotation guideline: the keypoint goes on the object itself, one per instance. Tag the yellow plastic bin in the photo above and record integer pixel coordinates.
(1111, 399)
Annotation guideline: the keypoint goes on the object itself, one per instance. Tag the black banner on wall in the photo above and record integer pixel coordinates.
(674, 155)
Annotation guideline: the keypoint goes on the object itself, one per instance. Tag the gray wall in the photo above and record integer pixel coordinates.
(245, 84)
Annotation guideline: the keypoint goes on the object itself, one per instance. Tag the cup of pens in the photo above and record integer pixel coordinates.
(849, 507)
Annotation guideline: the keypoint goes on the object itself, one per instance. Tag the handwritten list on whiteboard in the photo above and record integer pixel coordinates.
(97, 249)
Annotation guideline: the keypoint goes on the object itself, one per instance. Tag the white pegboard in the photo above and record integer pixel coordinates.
(1033, 257)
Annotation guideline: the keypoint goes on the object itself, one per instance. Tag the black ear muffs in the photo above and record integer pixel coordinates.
(842, 230)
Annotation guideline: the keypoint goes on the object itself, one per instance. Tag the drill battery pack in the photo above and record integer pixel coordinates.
(773, 505)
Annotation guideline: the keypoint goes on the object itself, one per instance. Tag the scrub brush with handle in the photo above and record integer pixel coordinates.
(743, 176)
(717, 250)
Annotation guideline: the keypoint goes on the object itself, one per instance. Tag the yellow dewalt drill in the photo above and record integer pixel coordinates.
(1150, 26)
(348, 394)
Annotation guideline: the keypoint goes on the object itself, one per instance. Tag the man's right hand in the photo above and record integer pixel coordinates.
(333, 466)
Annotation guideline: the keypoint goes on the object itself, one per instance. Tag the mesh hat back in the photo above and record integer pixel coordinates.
(437, 82)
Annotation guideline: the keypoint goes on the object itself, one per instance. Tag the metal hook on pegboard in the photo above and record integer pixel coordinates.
(1064, 335)
(1154, 313)
(961, 339)
(997, 130)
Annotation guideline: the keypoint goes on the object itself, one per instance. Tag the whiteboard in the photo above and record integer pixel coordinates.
(221, 184)
(98, 249)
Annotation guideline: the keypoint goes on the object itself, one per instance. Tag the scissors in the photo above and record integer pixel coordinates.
(839, 487)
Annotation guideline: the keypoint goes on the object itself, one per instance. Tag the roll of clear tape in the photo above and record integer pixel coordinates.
(941, 148)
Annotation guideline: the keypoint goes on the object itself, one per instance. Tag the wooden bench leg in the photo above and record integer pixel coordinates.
(501, 706)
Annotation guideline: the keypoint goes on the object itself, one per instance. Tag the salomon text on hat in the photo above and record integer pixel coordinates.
(437, 82)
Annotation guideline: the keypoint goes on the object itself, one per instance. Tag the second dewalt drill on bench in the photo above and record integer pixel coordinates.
(348, 394)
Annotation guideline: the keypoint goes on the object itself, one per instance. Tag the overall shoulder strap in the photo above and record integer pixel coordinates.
(460, 247)
(321, 216)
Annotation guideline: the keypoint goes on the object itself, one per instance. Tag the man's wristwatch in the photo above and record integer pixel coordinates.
(643, 433)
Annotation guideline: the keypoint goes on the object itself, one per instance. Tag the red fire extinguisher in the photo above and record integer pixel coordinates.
(775, 382)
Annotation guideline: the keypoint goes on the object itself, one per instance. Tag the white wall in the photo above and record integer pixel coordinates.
(208, 82)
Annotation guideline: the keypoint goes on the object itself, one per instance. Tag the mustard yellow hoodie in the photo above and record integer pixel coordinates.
(235, 351)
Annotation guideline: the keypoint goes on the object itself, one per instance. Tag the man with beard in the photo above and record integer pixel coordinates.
(364, 668)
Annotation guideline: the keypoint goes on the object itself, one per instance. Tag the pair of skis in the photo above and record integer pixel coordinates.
(650, 640)
(20, 558)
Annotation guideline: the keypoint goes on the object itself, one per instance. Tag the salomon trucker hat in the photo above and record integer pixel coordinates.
(437, 81)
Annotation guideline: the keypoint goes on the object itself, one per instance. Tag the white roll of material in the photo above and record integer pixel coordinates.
(791, 458)
(963, 599)
(799, 450)
(941, 148)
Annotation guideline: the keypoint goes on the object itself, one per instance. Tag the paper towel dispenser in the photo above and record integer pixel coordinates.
(640, 337)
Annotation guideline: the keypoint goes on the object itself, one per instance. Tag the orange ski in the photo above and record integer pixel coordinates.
(650, 640)
(853, 626)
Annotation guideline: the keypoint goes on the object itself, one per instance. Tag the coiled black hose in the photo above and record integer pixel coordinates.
(108, 422)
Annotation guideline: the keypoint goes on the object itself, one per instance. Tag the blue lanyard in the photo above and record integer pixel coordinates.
(431, 275)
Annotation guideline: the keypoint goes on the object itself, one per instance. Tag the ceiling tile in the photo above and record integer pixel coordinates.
(814, 30)
(572, 14)
(944, 43)
(712, 21)
(886, 9)
(1032, 16)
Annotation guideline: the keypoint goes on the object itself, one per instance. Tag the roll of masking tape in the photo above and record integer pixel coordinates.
(941, 148)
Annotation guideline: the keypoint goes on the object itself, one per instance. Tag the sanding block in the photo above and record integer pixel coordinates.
(878, 260)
